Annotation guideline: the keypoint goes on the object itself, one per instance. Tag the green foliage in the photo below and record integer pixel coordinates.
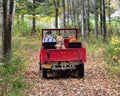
(109, 51)
(113, 27)
(32, 7)
(21, 28)
(17, 82)
(93, 44)
(112, 52)
(24, 6)
(32, 43)
(21, 7)
(0, 44)
(12, 77)
(91, 8)
(45, 10)
(114, 70)
(113, 49)
(12, 72)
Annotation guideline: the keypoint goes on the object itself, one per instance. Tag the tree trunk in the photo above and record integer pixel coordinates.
(96, 18)
(110, 29)
(87, 20)
(73, 9)
(83, 20)
(56, 5)
(33, 27)
(68, 12)
(70, 2)
(7, 27)
(5, 31)
(101, 17)
(22, 17)
(56, 18)
(64, 23)
(109, 13)
(0, 16)
(103, 21)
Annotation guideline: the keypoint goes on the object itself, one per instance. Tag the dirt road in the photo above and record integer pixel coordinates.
(95, 83)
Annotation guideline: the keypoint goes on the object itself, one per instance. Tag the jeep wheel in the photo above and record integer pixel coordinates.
(39, 66)
(81, 70)
(44, 72)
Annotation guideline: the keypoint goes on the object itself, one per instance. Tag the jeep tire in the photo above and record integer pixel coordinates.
(81, 70)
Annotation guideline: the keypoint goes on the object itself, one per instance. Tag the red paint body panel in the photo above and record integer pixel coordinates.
(68, 54)
(66, 41)
(64, 55)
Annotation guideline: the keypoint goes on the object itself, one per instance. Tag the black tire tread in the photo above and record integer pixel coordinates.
(81, 70)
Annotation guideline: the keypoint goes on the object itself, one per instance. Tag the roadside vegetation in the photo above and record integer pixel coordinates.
(112, 56)
(12, 73)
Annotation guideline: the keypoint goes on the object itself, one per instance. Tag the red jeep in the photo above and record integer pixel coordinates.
(70, 58)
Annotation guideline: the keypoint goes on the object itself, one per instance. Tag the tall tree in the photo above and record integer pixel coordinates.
(83, 18)
(101, 16)
(0, 14)
(109, 16)
(7, 26)
(68, 11)
(32, 9)
(33, 27)
(87, 18)
(109, 12)
(20, 9)
(103, 21)
(63, 6)
(96, 18)
(56, 6)
(73, 12)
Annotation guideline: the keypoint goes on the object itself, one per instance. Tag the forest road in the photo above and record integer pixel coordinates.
(95, 83)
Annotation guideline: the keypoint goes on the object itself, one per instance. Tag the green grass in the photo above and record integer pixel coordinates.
(0, 44)
(12, 76)
(27, 42)
(94, 44)
(12, 73)
(114, 69)
(32, 43)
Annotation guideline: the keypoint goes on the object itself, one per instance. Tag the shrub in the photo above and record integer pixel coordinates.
(112, 52)
(113, 49)
(12, 77)
(21, 28)
(12, 72)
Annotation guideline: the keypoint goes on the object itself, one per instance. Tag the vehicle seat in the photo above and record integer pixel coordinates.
(74, 45)
(66, 42)
(49, 45)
